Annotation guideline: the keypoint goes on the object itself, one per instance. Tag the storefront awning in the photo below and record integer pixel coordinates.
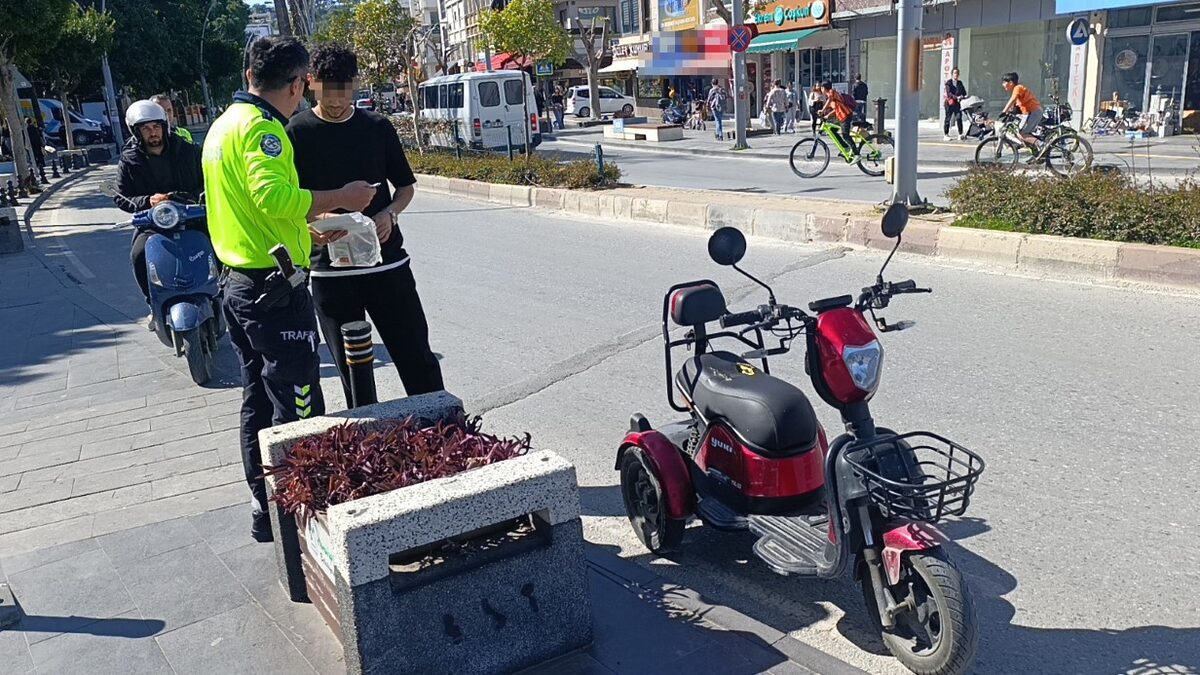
(779, 42)
(621, 66)
(505, 62)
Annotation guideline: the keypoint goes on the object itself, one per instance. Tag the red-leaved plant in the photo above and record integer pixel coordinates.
(352, 460)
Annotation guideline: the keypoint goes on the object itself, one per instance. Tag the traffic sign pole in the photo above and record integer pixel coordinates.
(741, 100)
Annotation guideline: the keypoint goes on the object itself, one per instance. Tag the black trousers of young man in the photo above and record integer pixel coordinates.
(281, 370)
(390, 298)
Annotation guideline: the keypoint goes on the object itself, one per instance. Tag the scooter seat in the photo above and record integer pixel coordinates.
(773, 416)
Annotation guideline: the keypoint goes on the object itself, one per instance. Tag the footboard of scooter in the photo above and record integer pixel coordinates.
(669, 468)
(910, 537)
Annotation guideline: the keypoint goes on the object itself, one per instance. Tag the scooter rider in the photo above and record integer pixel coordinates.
(155, 164)
(255, 204)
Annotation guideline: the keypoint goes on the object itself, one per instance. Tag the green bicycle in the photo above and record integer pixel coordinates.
(810, 157)
(1062, 149)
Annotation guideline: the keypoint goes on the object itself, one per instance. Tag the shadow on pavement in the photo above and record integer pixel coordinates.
(791, 603)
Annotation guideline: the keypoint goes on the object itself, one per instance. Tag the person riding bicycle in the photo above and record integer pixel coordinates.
(837, 107)
(1025, 103)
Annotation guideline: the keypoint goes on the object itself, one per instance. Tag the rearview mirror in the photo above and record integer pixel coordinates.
(726, 246)
(895, 220)
(108, 188)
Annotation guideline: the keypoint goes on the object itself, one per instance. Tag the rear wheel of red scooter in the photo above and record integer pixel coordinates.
(646, 503)
(939, 634)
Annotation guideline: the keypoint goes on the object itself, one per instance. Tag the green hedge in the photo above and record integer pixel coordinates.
(538, 171)
(1092, 205)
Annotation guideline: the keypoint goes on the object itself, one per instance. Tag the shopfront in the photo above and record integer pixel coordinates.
(1151, 61)
(796, 44)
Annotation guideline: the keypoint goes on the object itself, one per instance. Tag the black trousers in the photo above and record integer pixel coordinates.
(953, 112)
(390, 298)
(815, 111)
(281, 371)
(137, 256)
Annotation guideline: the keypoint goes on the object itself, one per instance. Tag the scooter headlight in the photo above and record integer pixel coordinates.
(166, 215)
(152, 274)
(864, 364)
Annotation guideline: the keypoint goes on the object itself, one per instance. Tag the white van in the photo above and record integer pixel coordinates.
(487, 107)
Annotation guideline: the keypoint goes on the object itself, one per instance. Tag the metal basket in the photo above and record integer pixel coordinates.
(918, 476)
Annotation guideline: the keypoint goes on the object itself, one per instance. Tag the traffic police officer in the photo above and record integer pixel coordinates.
(255, 204)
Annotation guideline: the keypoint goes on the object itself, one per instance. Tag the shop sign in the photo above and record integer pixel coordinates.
(776, 16)
(1078, 32)
(628, 51)
(587, 12)
(677, 15)
(1126, 59)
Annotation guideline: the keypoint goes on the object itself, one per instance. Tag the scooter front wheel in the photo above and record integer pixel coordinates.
(936, 631)
(199, 358)
(646, 503)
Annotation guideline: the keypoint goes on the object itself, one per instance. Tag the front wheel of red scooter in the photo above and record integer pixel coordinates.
(938, 633)
(646, 503)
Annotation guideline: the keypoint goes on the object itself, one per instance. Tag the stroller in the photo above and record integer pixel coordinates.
(698, 116)
(980, 126)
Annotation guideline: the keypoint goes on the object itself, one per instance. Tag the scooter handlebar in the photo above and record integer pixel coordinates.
(741, 319)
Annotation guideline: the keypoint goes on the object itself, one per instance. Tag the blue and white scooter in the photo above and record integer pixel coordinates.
(185, 298)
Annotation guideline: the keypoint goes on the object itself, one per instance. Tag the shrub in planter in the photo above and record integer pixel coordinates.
(427, 545)
(539, 171)
(1095, 205)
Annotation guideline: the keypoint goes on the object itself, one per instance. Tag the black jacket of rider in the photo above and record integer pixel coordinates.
(137, 181)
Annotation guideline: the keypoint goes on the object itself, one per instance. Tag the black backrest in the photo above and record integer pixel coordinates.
(697, 304)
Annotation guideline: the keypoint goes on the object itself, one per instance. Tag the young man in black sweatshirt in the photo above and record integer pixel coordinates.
(335, 143)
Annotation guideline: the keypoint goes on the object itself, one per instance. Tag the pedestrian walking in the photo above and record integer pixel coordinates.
(557, 105)
(335, 145)
(777, 103)
(955, 92)
(718, 98)
(860, 97)
(255, 204)
(816, 101)
(793, 111)
(539, 100)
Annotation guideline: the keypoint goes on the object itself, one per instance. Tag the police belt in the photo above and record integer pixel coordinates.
(252, 276)
(272, 288)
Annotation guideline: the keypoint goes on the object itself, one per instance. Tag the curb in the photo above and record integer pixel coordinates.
(851, 224)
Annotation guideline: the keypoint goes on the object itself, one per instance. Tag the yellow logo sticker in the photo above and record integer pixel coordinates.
(747, 369)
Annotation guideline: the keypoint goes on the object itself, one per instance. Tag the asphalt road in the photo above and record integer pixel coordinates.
(1080, 546)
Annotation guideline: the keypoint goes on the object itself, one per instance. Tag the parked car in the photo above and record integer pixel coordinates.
(487, 108)
(578, 101)
(84, 130)
(365, 104)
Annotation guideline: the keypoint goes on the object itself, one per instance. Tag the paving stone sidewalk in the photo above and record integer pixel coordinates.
(124, 516)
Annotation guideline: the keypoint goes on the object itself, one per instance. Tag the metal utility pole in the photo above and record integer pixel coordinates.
(110, 99)
(741, 99)
(908, 86)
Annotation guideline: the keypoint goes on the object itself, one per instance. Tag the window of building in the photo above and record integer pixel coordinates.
(489, 94)
(1124, 68)
(1189, 12)
(1129, 18)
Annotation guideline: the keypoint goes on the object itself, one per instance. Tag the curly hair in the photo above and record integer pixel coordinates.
(275, 61)
(334, 63)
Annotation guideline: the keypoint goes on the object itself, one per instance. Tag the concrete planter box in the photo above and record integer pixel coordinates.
(479, 572)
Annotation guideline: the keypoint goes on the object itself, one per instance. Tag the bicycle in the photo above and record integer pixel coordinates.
(810, 157)
(1062, 149)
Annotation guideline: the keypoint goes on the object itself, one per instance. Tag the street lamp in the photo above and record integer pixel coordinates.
(203, 79)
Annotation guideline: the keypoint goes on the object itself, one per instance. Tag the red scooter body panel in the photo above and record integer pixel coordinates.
(838, 329)
(671, 471)
(911, 537)
(757, 476)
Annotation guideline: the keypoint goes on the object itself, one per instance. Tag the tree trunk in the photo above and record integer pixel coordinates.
(281, 17)
(723, 11)
(416, 109)
(68, 137)
(525, 108)
(593, 77)
(8, 101)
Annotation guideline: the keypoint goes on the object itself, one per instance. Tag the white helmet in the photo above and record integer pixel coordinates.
(144, 111)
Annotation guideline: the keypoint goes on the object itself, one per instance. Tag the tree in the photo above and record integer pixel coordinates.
(336, 27)
(382, 38)
(86, 34)
(593, 55)
(529, 31)
(27, 29)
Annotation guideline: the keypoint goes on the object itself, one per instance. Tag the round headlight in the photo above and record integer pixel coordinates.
(166, 215)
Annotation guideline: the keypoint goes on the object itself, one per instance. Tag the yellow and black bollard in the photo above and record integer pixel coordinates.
(360, 358)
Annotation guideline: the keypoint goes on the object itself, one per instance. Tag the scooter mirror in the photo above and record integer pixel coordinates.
(726, 246)
(108, 188)
(894, 220)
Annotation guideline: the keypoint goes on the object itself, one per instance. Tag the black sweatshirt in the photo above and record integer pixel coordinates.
(364, 147)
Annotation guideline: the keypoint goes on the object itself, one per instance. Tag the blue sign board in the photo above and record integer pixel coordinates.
(1075, 6)
(1079, 31)
(545, 69)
